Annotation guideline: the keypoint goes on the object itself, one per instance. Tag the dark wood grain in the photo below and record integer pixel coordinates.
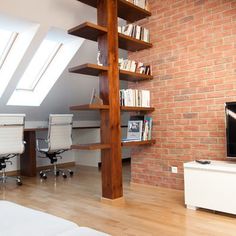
(91, 146)
(126, 10)
(28, 158)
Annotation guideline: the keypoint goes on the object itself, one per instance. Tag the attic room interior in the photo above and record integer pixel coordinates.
(117, 117)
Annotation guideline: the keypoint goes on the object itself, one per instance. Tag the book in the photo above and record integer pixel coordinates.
(135, 31)
(135, 98)
(148, 120)
(135, 128)
(133, 66)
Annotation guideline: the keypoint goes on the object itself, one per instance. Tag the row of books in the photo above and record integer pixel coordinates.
(140, 3)
(134, 66)
(139, 128)
(135, 98)
(135, 31)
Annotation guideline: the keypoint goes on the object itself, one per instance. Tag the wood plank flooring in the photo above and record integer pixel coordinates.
(146, 211)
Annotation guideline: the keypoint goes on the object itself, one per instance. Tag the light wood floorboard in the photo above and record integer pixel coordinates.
(146, 211)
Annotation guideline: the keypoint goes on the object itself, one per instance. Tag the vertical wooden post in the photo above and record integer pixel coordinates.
(109, 92)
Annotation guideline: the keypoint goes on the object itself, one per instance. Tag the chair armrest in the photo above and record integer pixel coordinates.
(40, 142)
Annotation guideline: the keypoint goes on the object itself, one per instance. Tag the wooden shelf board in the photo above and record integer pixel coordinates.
(145, 109)
(96, 70)
(134, 77)
(89, 107)
(91, 146)
(138, 143)
(89, 69)
(132, 44)
(126, 10)
(92, 31)
(88, 30)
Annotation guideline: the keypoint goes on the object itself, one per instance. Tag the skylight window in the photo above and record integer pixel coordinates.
(7, 40)
(45, 68)
(39, 65)
(15, 37)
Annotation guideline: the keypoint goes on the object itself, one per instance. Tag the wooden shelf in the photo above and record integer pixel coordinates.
(92, 31)
(126, 10)
(89, 107)
(134, 77)
(89, 69)
(91, 146)
(96, 70)
(106, 107)
(144, 109)
(138, 143)
(88, 30)
(132, 44)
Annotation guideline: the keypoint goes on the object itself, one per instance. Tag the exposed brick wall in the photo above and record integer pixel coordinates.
(194, 67)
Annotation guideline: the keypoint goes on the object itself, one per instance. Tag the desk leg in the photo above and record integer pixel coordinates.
(28, 158)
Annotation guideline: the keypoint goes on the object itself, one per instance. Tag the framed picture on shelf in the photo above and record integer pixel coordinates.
(135, 128)
(94, 99)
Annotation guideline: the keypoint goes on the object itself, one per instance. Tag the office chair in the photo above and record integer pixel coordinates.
(11, 141)
(58, 141)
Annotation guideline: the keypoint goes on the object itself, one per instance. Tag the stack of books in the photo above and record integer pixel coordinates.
(135, 98)
(140, 3)
(139, 128)
(135, 31)
(133, 66)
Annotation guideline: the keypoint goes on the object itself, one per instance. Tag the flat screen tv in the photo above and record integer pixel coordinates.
(230, 113)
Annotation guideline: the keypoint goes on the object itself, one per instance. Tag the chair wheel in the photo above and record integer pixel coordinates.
(71, 173)
(64, 176)
(18, 182)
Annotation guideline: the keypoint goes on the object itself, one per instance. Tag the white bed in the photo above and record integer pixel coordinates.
(16, 220)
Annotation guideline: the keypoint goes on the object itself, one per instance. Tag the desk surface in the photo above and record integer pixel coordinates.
(46, 128)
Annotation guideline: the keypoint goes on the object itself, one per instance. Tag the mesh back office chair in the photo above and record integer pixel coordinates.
(11, 141)
(58, 141)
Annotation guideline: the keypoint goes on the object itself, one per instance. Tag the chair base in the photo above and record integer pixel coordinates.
(3, 178)
(56, 172)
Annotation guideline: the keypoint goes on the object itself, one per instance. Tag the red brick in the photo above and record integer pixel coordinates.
(193, 60)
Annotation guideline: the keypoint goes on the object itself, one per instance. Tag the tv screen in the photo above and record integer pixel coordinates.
(230, 112)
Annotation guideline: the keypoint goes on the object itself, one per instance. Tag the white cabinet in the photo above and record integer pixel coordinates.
(211, 186)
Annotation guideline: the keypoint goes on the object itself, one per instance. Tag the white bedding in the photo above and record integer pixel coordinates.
(16, 220)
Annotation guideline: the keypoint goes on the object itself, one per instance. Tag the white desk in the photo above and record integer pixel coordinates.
(211, 186)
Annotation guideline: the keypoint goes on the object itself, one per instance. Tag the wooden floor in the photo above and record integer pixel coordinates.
(146, 211)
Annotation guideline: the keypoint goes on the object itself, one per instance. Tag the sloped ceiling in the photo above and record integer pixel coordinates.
(70, 89)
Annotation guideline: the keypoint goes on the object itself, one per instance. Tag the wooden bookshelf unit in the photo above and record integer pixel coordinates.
(126, 10)
(92, 32)
(105, 32)
(96, 70)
